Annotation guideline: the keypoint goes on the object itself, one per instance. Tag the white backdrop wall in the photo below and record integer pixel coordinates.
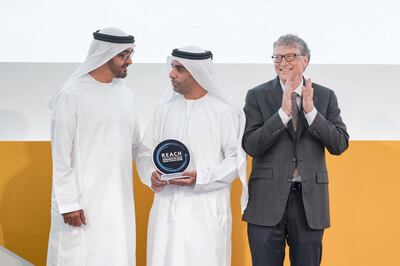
(368, 94)
(352, 51)
(237, 31)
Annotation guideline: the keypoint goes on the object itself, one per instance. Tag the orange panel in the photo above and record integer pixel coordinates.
(364, 190)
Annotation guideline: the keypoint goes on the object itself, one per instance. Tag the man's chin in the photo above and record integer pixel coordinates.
(283, 78)
(285, 75)
(122, 75)
(177, 90)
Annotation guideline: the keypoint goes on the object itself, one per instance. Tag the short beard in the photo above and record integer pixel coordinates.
(179, 90)
(121, 75)
(116, 71)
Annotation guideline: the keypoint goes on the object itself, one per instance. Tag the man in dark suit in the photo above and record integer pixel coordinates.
(289, 123)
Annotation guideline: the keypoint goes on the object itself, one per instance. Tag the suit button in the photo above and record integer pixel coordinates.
(294, 160)
(315, 132)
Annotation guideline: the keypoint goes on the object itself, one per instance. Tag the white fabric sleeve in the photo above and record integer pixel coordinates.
(311, 116)
(136, 133)
(63, 127)
(223, 173)
(144, 160)
(284, 117)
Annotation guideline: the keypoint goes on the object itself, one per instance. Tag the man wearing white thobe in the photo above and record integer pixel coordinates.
(95, 136)
(190, 220)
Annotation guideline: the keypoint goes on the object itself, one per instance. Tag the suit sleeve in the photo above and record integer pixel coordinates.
(258, 135)
(65, 183)
(330, 130)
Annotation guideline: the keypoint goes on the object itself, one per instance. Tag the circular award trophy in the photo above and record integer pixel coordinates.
(171, 158)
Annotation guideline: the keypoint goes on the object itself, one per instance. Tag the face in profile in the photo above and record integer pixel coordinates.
(118, 65)
(181, 79)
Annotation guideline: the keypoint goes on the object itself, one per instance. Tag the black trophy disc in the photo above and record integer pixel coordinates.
(171, 156)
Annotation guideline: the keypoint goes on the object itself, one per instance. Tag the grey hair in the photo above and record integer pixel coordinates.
(293, 41)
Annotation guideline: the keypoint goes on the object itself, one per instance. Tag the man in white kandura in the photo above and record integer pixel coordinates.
(95, 136)
(190, 220)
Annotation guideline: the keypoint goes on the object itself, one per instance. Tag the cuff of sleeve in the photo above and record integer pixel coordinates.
(69, 208)
(201, 180)
(284, 117)
(311, 116)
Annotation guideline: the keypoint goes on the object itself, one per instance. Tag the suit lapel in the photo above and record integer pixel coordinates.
(302, 119)
(315, 99)
(275, 95)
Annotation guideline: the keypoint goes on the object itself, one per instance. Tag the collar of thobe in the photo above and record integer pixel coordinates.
(202, 98)
(99, 83)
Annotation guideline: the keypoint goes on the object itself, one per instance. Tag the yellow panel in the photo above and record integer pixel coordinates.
(25, 193)
(364, 190)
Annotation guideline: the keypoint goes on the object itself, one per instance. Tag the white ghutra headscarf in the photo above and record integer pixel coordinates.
(106, 44)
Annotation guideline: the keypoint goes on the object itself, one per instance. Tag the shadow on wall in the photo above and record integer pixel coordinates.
(25, 191)
(14, 125)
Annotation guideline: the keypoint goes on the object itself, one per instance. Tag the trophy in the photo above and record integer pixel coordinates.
(171, 158)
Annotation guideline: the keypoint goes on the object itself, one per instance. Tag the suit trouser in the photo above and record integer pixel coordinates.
(267, 243)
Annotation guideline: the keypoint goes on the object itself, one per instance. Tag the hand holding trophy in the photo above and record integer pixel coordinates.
(171, 158)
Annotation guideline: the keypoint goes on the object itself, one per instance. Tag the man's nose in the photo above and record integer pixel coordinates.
(283, 62)
(172, 73)
(129, 60)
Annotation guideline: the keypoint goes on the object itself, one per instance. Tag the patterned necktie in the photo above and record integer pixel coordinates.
(295, 123)
(295, 111)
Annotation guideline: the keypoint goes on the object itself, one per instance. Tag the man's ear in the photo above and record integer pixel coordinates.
(306, 61)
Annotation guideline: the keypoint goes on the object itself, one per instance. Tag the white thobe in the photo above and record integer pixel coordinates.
(95, 136)
(192, 225)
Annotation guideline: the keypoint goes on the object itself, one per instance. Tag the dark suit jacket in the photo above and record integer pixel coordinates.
(276, 148)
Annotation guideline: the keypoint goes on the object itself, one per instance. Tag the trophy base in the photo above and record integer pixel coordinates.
(171, 176)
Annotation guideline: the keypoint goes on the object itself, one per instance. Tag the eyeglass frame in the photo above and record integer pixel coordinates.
(125, 54)
(274, 57)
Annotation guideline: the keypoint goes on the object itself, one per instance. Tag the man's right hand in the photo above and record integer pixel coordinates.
(286, 98)
(75, 218)
(156, 182)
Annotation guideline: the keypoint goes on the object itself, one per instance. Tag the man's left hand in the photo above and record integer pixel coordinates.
(308, 93)
(188, 180)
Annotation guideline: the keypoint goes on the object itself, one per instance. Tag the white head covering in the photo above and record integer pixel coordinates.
(100, 52)
(203, 71)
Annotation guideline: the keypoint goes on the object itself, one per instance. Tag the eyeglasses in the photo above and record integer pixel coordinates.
(126, 54)
(290, 57)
